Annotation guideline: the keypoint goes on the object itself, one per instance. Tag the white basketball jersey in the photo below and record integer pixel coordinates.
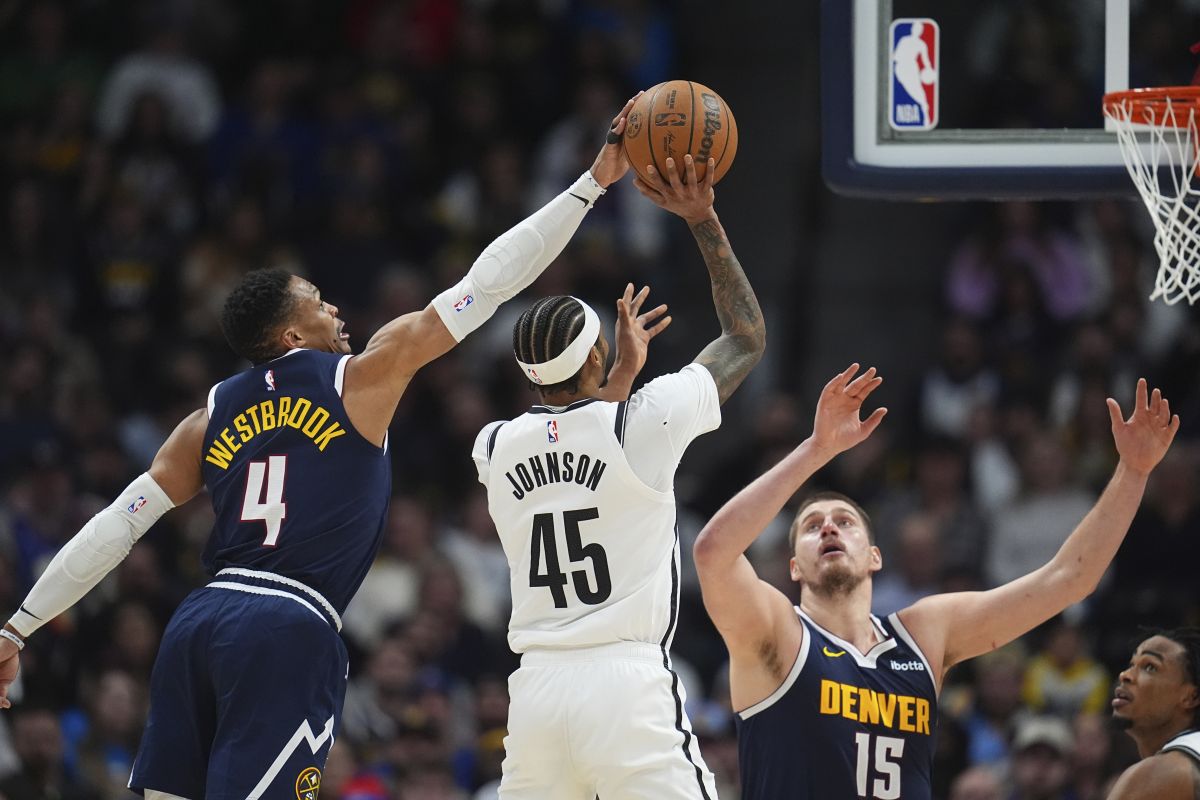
(1187, 742)
(592, 548)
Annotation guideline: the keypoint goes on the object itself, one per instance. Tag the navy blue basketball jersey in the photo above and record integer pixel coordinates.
(297, 491)
(843, 724)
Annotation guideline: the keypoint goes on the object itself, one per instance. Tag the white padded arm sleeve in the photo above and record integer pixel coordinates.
(515, 259)
(92, 553)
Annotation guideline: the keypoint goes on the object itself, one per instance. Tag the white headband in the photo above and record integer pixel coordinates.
(568, 362)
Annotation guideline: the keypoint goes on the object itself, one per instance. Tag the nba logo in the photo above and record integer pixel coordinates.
(270, 379)
(913, 89)
(137, 505)
(466, 300)
(552, 431)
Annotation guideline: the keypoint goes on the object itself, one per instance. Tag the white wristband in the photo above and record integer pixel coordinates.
(12, 637)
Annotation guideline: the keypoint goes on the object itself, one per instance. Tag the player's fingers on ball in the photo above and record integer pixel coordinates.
(673, 175)
(710, 174)
(689, 167)
(653, 177)
(648, 190)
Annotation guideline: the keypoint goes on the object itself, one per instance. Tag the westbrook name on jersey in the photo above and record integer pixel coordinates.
(844, 724)
(297, 491)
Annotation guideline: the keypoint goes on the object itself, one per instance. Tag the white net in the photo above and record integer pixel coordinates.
(1159, 143)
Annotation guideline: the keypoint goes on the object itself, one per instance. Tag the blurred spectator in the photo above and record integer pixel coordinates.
(977, 783)
(1041, 760)
(104, 756)
(39, 745)
(474, 549)
(1027, 534)
(389, 592)
(1063, 679)
(1015, 236)
(33, 75)
(995, 705)
(914, 568)
(959, 383)
(939, 491)
(165, 68)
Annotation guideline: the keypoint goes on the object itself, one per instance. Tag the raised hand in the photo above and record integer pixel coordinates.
(632, 341)
(838, 425)
(1143, 439)
(611, 165)
(692, 200)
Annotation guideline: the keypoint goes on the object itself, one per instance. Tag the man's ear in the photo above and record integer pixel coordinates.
(291, 338)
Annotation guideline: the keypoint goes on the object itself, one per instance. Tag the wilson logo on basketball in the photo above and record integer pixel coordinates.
(712, 124)
(672, 118)
(308, 784)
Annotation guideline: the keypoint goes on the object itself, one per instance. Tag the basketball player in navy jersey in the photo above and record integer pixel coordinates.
(248, 686)
(582, 494)
(832, 701)
(1157, 702)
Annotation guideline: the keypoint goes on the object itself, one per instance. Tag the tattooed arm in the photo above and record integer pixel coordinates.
(732, 355)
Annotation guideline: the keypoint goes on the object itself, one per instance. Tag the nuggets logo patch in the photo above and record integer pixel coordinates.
(308, 784)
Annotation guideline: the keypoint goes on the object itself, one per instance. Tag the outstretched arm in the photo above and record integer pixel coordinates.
(106, 539)
(954, 627)
(745, 609)
(377, 378)
(732, 355)
(632, 340)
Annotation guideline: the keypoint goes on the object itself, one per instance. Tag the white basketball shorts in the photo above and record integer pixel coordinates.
(603, 721)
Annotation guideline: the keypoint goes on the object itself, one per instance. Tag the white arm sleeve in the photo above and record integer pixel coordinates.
(92, 553)
(515, 259)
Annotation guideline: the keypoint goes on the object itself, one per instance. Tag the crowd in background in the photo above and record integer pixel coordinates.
(153, 152)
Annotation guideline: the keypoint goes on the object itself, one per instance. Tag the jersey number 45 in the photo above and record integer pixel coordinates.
(545, 545)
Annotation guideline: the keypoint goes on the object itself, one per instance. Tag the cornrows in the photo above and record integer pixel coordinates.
(545, 329)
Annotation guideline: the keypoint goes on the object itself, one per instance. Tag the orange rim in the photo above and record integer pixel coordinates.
(1153, 106)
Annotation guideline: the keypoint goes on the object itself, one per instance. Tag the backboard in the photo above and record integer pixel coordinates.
(941, 99)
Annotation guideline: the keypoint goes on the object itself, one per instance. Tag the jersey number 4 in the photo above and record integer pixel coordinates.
(888, 750)
(545, 546)
(266, 505)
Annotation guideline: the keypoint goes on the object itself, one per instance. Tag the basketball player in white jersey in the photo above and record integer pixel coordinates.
(1157, 702)
(581, 491)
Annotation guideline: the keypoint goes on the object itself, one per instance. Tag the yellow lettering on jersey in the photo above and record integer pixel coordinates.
(253, 412)
(266, 410)
(329, 434)
(898, 711)
(218, 454)
(229, 442)
(300, 410)
(294, 413)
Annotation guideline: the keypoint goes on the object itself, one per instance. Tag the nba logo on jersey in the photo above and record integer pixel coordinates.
(913, 89)
(270, 379)
(466, 300)
(552, 431)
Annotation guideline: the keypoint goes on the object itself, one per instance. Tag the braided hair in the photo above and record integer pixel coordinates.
(544, 330)
(255, 310)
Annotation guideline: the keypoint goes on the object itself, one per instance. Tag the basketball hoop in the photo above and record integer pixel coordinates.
(1157, 131)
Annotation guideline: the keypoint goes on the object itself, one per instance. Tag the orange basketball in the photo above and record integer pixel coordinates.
(679, 117)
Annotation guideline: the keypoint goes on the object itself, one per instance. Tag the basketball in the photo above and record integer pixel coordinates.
(679, 117)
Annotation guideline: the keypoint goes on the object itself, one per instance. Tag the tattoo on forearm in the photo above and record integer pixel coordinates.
(743, 334)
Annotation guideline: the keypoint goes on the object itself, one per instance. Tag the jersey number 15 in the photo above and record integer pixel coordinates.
(545, 545)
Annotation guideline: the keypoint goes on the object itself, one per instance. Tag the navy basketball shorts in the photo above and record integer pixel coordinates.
(245, 698)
